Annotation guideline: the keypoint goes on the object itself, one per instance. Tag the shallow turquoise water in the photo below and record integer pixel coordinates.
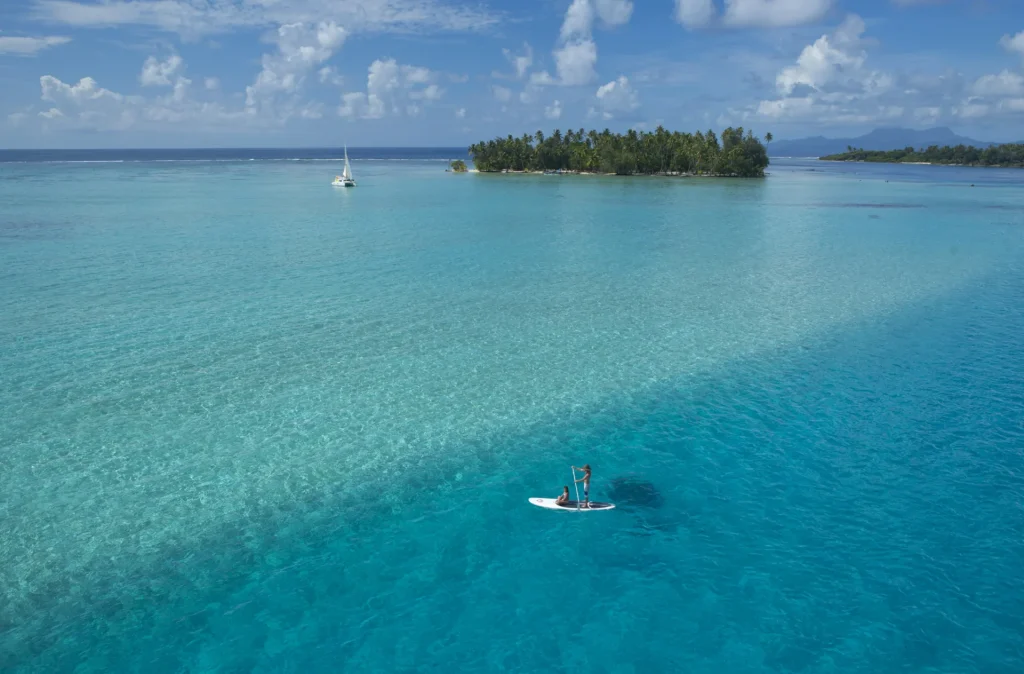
(254, 423)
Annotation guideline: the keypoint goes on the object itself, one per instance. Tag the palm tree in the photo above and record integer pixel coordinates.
(634, 152)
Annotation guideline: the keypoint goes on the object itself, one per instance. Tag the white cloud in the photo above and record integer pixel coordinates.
(614, 12)
(829, 83)
(157, 73)
(90, 103)
(579, 19)
(17, 118)
(29, 46)
(774, 13)
(390, 85)
(358, 104)
(211, 83)
(329, 75)
(300, 48)
(192, 18)
(576, 56)
(553, 111)
(971, 110)
(617, 97)
(521, 62)
(87, 105)
(460, 113)
(575, 63)
(694, 13)
(1012, 105)
(1005, 83)
(831, 56)
(502, 94)
(1014, 43)
(87, 89)
(431, 93)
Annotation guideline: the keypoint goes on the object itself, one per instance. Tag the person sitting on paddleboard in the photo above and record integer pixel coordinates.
(586, 483)
(565, 495)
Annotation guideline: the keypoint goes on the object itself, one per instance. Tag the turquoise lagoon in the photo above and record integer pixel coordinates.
(254, 423)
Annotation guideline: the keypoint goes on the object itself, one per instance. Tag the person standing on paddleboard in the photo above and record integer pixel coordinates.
(586, 483)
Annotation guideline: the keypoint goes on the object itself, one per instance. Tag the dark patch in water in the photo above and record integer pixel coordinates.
(856, 205)
(1003, 207)
(30, 230)
(874, 217)
(633, 491)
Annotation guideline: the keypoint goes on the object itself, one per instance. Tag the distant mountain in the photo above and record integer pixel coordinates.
(879, 139)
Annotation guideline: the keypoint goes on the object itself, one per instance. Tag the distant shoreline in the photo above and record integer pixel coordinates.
(603, 174)
(918, 163)
(1000, 156)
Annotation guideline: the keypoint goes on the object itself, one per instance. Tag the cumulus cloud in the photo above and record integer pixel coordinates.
(391, 86)
(575, 63)
(576, 55)
(553, 111)
(211, 83)
(460, 113)
(695, 13)
(1005, 83)
(743, 13)
(87, 105)
(614, 12)
(840, 54)
(579, 19)
(502, 94)
(617, 97)
(830, 80)
(300, 49)
(432, 92)
(520, 62)
(774, 13)
(29, 46)
(329, 75)
(1014, 43)
(157, 73)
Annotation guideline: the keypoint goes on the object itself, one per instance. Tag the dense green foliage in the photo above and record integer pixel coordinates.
(964, 155)
(458, 166)
(657, 152)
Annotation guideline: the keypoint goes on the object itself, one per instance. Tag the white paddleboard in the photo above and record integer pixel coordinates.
(572, 506)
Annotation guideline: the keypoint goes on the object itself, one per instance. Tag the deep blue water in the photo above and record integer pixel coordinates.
(256, 424)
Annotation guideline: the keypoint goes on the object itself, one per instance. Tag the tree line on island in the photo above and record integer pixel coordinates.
(659, 152)
(1010, 155)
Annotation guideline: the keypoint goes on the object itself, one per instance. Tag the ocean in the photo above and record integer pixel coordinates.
(254, 423)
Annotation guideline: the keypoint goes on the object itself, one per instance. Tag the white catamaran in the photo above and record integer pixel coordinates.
(345, 179)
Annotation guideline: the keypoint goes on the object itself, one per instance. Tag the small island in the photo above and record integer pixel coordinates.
(660, 152)
(1010, 155)
(458, 166)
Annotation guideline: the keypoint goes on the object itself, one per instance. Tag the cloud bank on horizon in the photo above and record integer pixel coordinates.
(88, 73)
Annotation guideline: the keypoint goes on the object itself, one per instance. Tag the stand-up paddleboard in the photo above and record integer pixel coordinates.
(573, 506)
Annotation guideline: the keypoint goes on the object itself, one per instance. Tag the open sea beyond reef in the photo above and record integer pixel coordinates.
(254, 423)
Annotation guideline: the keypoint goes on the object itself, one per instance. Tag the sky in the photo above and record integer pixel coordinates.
(273, 73)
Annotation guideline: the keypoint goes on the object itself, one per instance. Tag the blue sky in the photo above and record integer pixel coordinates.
(189, 73)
